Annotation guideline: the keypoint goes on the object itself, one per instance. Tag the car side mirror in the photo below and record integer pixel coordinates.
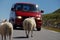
(42, 11)
(13, 9)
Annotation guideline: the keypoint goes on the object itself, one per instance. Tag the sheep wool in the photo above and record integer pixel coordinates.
(28, 25)
(6, 29)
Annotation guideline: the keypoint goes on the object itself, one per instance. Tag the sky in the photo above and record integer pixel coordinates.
(48, 6)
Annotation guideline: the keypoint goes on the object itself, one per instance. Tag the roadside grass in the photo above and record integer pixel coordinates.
(52, 28)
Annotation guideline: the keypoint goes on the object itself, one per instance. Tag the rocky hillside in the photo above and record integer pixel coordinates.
(52, 19)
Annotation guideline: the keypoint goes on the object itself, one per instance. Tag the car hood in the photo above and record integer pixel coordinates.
(30, 14)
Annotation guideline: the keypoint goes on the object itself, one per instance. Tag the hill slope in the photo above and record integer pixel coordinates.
(52, 18)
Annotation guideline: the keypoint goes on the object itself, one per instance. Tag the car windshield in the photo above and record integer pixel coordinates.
(26, 7)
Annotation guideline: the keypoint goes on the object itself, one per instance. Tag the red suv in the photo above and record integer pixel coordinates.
(20, 11)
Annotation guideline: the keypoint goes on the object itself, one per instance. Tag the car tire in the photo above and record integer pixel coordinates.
(38, 29)
(14, 27)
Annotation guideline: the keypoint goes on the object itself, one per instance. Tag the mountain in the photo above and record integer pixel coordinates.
(57, 11)
(53, 17)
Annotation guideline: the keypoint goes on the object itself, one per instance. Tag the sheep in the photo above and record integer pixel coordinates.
(28, 25)
(6, 30)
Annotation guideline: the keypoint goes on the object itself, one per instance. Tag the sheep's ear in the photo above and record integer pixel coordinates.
(4, 20)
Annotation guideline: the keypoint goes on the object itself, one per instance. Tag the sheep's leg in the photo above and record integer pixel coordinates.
(2, 37)
(28, 29)
(5, 37)
(26, 33)
(10, 37)
(32, 32)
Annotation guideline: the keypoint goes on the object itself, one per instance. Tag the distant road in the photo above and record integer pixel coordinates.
(38, 35)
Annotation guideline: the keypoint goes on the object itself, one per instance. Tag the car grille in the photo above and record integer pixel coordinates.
(24, 17)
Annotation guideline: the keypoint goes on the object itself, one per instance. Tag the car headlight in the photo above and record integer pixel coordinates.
(19, 17)
(38, 18)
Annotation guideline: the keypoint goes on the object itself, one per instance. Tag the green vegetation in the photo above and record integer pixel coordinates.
(52, 16)
(52, 20)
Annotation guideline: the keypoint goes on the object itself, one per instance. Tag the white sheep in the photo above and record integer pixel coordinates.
(6, 30)
(28, 25)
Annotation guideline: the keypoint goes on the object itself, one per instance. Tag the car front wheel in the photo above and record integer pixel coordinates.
(38, 29)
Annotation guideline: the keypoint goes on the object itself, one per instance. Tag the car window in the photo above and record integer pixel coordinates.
(18, 7)
(26, 8)
(33, 8)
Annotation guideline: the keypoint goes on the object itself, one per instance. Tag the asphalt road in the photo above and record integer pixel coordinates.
(37, 35)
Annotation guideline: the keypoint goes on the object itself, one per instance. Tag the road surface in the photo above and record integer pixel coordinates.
(37, 35)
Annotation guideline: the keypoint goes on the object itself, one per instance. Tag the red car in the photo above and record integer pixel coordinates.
(20, 11)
